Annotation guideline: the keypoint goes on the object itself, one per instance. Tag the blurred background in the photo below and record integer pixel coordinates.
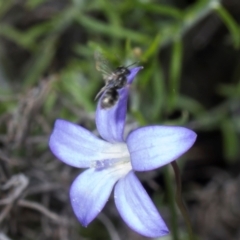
(191, 77)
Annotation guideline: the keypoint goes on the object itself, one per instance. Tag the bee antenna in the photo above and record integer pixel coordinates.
(132, 64)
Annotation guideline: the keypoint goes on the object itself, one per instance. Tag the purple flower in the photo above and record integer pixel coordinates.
(113, 160)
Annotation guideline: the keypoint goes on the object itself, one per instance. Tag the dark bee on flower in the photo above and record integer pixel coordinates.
(114, 80)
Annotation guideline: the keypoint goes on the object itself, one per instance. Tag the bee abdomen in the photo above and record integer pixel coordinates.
(109, 98)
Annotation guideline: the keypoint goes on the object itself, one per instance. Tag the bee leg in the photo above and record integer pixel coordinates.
(100, 93)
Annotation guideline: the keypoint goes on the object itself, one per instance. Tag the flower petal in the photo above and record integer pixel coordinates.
(133, 73)
(91, 190)
(78, 147)
(137, 209)
(110, 122)
(154, 146)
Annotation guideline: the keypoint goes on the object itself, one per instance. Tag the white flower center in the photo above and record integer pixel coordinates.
(119, 157)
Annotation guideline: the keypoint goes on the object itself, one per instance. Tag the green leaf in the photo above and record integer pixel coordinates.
(230, 23)
(161, 9)
(153, 48)
(41, 60)
(186, 103)
(104, 28)
(175, 73)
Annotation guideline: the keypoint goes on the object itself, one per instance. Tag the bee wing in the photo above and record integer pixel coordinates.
(102, 65)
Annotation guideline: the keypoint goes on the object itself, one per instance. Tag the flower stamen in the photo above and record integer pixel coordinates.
(106, 163)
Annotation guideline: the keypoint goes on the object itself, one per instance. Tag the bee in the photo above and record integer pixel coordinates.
(114, 80)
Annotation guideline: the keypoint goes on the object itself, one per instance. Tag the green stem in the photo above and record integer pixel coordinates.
(179, 200)
(173, 212)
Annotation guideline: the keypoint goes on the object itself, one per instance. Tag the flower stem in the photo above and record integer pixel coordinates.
(173, 212)
(179, 200)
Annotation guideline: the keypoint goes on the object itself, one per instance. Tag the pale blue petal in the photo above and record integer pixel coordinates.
(110, 122)
(90, 192)
(137, 209)
(154, 146)
(78, 147)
